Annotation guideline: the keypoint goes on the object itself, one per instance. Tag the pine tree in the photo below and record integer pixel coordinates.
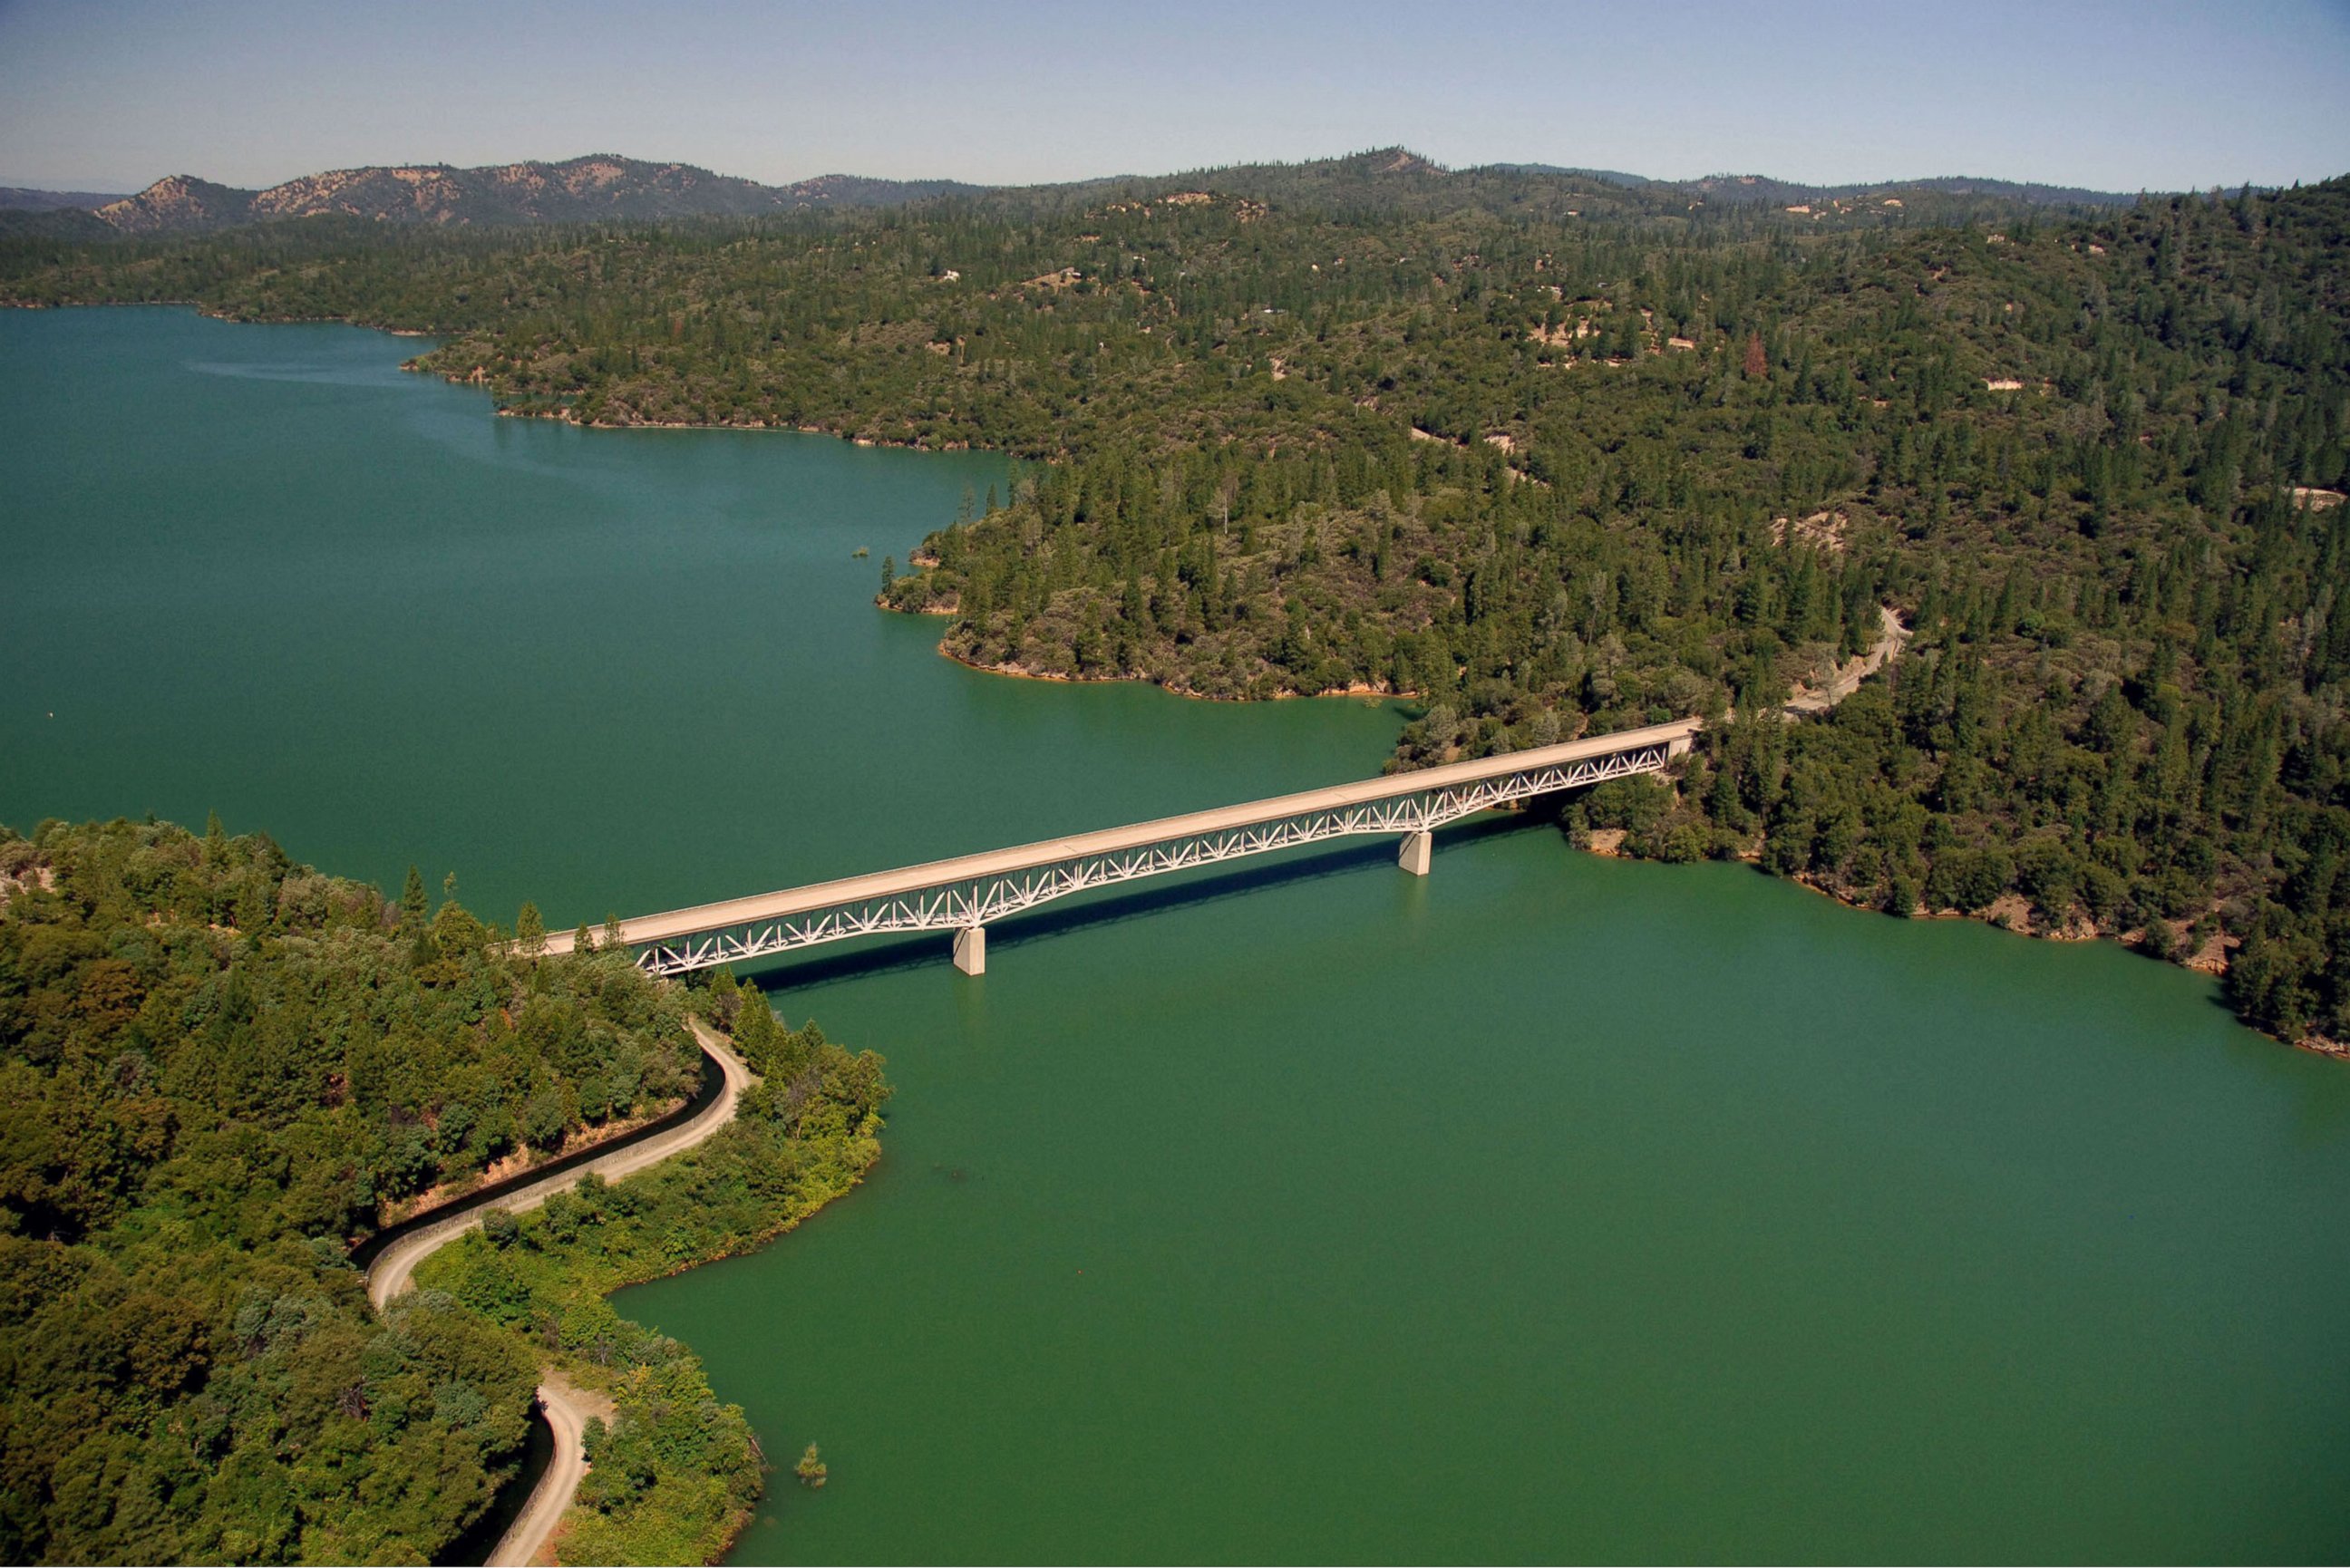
(530, 932)
(756, 1031)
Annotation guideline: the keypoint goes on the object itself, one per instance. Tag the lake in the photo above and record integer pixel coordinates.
(1549, 1208)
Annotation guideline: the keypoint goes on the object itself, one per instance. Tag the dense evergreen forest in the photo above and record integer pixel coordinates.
(1551, 454)
(220, 1069)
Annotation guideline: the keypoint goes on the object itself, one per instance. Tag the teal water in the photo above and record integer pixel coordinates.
(1555, 1208)
(1552, 1208)
(263, 571)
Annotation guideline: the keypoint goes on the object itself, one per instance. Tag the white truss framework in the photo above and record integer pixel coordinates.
(961, 903)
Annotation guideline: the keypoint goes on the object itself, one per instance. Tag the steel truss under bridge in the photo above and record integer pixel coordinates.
(967, 894)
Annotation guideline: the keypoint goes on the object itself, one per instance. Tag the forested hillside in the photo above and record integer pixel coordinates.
(1553, 453)
(219, 1067)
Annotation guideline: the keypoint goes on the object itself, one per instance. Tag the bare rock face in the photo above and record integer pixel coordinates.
(580, 190)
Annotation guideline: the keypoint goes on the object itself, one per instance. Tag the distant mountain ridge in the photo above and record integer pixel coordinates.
(1762, 188)
(1397, 180)
(603, 187)
(1609, 176)
(599, 186)
(1394, 163)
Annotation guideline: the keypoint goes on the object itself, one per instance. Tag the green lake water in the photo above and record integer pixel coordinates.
(1550, 1207)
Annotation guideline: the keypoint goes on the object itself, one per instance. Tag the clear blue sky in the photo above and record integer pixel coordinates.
(2119, 94)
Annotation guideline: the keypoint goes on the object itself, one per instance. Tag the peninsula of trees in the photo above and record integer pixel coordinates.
(221, 1068)
(1551, 453)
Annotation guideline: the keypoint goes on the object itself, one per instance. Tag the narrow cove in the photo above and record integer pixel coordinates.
(1553, 1208)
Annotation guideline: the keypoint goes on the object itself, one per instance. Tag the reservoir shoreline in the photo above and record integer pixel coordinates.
(2209, 960)
(1849, 1239)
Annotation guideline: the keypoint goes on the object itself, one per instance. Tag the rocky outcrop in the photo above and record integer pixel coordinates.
(178, 202)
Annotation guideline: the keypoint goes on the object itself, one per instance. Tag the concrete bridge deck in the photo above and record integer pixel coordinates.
(963, 893)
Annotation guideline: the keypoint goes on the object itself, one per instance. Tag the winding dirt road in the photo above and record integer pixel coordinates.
(1891, 637)
(567, 1409)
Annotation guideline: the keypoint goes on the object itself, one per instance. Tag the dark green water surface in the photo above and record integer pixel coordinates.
(1550, 1207)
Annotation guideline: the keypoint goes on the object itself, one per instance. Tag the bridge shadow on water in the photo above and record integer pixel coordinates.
(1084, 911)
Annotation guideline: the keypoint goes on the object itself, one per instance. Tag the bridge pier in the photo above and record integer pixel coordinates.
(971, 949)
(1419, 849)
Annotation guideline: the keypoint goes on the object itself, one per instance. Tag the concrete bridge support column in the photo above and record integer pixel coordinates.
(971, 949)
(1419, 849)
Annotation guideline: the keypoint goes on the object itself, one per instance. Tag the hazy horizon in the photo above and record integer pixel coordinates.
(2098, 94)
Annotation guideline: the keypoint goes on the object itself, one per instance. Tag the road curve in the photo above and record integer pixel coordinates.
(566, 1410)
(391, 1272)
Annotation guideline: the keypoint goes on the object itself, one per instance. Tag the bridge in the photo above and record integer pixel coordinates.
(967, 894)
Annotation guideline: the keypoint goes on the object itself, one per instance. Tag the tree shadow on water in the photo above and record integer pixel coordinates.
(1084, 911)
